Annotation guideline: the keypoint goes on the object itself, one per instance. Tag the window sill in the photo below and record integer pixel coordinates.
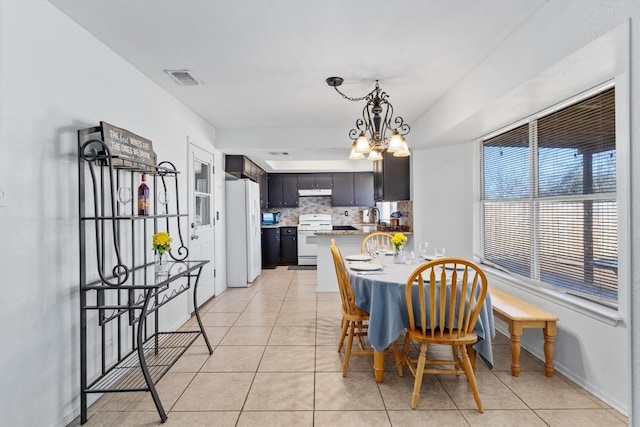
(588, 308)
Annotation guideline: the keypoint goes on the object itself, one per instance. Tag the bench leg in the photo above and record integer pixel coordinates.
(549, 332)
(515, 329)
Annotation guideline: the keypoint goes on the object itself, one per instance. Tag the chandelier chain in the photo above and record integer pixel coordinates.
(362, 98)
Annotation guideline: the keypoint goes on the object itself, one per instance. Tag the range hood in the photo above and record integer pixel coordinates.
(314, 192)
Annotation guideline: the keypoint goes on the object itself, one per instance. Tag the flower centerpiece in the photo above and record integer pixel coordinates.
(161, 245)
(398, 240)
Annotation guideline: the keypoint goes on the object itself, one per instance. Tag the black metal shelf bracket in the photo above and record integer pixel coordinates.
(120, 294)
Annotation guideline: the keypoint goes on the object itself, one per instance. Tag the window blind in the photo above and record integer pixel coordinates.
(549, 199)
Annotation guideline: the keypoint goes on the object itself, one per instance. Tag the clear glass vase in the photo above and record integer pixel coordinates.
(398, 255)
(161, 264)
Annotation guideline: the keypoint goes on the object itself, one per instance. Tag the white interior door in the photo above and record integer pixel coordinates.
(201, 222)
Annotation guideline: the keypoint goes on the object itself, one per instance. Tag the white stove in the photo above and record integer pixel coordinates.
(307, 245)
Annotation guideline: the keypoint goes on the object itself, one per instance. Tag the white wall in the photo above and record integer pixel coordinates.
(544, 62)
(54, 79)
(443, 198)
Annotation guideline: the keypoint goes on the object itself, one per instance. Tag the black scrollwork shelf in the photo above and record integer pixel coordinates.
(122, 348)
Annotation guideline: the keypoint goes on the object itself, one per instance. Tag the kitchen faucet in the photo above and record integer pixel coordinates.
(377, 212)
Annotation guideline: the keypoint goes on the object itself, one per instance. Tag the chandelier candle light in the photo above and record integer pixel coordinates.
(370, 134)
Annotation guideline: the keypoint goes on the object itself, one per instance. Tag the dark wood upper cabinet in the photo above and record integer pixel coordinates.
(264, 189)
(290, 190)
(242, 167)
(309, 181)
(363, 189)
(347, 188)
(342, 193)
(391, 178)
(274, 185)
(283, 190)
(352, 189)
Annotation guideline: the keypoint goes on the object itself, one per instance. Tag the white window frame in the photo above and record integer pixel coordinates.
(608, 314)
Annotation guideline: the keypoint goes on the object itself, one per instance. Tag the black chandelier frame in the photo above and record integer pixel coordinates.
(377, 117)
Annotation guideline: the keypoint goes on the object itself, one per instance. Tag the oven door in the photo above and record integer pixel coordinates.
(307, 247)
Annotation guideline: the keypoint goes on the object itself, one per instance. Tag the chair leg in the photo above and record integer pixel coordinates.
(396, 356)
(456, 360)
(419, 373)
(405, 346)
(347, 352)
(361, 345)
(343, 333)
(472, 356)
(468, 370)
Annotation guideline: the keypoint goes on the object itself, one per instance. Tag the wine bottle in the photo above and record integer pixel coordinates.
(143, 197)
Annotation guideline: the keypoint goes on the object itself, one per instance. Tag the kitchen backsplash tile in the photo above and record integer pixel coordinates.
(406, 207)
(322, 205)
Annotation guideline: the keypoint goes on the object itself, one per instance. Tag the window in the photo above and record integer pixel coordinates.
(549, 209)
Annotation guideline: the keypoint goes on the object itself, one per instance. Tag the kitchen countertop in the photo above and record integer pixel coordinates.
(360, 230)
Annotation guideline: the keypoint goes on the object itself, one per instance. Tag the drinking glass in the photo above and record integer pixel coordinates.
(383, 249)
(372, 248)
(410, 257)
(424, 246)
(439, 252)
(163, 199)
(124, 197)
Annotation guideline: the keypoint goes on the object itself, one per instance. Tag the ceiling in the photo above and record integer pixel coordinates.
(263, 64)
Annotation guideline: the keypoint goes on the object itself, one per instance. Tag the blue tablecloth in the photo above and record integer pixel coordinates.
(382, 295)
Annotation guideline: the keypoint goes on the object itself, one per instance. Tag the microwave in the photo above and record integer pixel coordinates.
(270, 218)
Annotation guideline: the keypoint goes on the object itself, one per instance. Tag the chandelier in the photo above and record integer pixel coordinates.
(377, 130)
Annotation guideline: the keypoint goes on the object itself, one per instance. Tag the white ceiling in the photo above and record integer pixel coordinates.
(263, 64)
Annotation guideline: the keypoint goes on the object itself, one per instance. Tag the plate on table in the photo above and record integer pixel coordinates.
(365, 266)
(459, 267)
(358, 257)
(429, 257)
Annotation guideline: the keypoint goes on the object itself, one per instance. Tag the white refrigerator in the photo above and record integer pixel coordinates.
(244, 258)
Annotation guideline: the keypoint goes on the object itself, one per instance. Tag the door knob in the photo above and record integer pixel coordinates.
(194, 237)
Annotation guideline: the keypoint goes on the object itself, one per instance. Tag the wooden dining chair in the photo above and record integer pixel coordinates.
(355, 321)
(379, 237)
(446, 295)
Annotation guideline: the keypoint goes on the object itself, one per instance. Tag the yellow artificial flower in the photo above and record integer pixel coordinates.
(398, 240)
(161, 242)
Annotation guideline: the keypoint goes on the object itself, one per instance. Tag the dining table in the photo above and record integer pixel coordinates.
(381, 292)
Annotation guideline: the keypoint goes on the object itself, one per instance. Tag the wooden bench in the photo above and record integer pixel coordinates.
(519, 315)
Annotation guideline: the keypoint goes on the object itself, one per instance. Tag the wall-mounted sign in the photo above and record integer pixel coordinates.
(127, 146)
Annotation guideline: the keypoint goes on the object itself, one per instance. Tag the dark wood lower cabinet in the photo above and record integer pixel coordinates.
(270, 247)
(288, 245)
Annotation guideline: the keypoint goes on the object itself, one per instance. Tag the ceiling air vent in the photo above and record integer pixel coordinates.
(183, 77)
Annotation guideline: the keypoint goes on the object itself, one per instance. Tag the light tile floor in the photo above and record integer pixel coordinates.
(275, 364)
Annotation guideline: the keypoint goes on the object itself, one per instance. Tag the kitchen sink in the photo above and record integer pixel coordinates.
(344, 228)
